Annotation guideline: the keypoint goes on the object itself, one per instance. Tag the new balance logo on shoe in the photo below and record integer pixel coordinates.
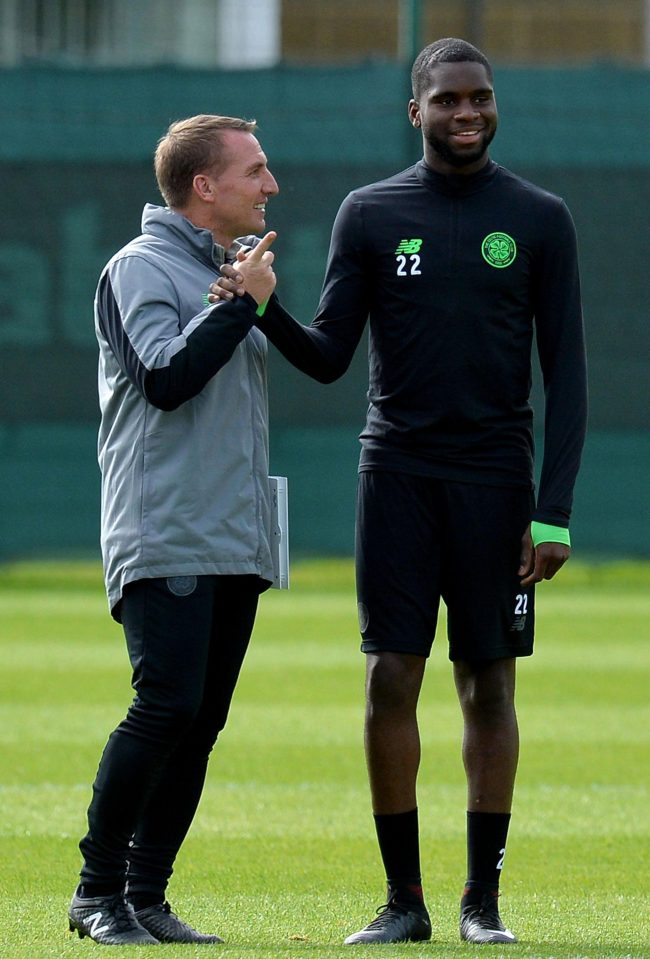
(109, 920)
(94, 928)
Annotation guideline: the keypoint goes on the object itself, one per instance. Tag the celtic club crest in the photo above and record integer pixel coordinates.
(499, 250)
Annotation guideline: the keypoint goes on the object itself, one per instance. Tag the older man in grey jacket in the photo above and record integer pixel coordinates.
(183, 451)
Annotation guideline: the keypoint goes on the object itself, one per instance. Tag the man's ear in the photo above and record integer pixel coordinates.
(414, 113)
(203, 187)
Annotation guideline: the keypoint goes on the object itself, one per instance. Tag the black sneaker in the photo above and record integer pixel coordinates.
(109, 920)
(395, 922)
(165, 925)
(481, 923)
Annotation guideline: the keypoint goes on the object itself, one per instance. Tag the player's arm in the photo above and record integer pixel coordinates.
(561, 348)
(311, 351)
(544, 550)
(324, 349)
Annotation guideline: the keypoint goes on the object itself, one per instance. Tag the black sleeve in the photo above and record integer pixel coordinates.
(561, 347)
(166, 364)
(325, 349)
(315, 351)
(208, 347)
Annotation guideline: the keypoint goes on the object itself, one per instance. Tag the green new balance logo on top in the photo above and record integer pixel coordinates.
(409, 246)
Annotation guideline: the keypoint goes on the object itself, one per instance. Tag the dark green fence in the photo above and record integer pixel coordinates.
(75, 161)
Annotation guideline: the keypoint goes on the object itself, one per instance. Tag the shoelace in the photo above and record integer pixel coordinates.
(167, 910)
(488, 912)
(491, 919)
(124, 917)
(386, 913)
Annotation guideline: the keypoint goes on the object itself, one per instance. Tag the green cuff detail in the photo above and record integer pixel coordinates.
(545, 533)
(260, 309)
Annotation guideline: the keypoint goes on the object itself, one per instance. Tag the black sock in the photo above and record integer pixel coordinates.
(399, 844)
(93, 890)
(486, 847)
(144, 900)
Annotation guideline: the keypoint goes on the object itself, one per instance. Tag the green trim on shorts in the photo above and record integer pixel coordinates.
(545, 533)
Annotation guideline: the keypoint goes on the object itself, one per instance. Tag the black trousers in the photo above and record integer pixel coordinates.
(187, 637)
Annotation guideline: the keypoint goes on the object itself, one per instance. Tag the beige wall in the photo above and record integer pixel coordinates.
(542, 32)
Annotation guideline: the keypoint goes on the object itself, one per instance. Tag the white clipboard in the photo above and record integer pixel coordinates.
(278, 487)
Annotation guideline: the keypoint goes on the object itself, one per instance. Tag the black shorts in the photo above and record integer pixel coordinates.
(420, 539)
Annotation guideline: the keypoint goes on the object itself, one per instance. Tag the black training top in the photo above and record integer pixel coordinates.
(454, 273)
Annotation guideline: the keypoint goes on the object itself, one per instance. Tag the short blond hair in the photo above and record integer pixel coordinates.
(188, 147)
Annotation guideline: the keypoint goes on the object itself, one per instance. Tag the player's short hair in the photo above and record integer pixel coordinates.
(189, 147)
(447, 50)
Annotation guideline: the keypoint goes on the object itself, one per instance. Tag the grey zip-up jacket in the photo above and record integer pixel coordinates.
(183, 440)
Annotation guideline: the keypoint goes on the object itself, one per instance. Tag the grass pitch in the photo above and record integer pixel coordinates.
(282, 860)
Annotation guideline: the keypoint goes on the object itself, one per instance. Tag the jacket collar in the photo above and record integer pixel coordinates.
(456, 184)
(166, 224)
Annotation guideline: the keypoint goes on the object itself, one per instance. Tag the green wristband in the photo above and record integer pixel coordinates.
(260, 309)
(545, 533)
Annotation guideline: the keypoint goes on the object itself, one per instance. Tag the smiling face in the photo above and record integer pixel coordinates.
(237, 190)
(458, 116)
